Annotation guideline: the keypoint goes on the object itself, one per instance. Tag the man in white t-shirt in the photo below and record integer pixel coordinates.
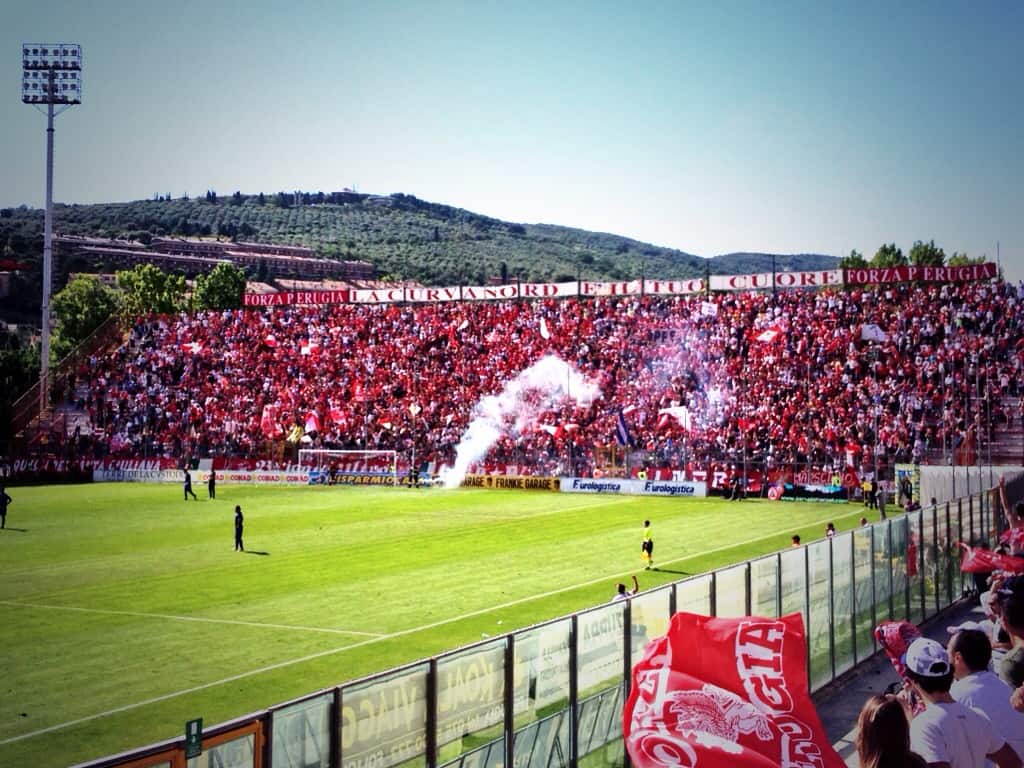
(948, 734)
(979, 688)
(621, 593)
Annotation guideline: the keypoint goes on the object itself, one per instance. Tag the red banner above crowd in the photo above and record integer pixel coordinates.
(873, 275)
(587, 288)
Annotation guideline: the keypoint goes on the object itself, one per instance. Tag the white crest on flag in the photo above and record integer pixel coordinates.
(718, 712)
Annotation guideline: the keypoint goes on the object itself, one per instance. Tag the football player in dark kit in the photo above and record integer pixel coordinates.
(211, 484)
(239, 524)
(188, 486)
(4, 501)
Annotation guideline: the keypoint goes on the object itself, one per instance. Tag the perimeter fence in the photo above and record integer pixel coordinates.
(551, 695)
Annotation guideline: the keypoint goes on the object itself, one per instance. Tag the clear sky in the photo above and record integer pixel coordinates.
(706, 126)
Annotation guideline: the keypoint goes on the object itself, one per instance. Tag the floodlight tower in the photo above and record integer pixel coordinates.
(51, 74)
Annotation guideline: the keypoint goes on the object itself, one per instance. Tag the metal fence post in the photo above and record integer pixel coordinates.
(573, 691)
(430, 740)
(778, 584)
(950, 559)
(807, 605)
(509, 698)
(713, 595)
(336, 704)
(921, 563)
(936, 556)
(874, 591)
(853, 597)
(970, 517)
(892, 580)
(831, 608)
(749, 598)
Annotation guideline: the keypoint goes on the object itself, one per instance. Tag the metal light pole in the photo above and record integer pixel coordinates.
(52, 75)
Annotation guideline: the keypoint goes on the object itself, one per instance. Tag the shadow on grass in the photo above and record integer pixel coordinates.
(669, 570)
(16, 530)
(256, 552)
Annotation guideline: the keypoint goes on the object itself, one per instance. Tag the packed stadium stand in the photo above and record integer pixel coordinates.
(821, 379)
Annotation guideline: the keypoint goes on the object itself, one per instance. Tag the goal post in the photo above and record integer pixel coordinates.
(330, 467)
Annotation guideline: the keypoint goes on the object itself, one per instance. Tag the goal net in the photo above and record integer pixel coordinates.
(327, 467)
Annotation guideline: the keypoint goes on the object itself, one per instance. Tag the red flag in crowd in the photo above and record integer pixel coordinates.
(678, 412)
(311, 349)
(269, 423)
(270, 340)
(850, 478)
(338, 417)
(768, 335)
(1013, 538)
(725, 693)
(312, 422)
(978, 560)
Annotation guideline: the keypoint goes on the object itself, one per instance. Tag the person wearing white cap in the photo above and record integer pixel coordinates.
(948, 734)
(978, 688)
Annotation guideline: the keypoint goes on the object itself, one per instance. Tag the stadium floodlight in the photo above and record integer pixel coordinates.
(51, 74)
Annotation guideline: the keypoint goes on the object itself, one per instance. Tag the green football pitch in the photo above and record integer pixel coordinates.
(124, 611)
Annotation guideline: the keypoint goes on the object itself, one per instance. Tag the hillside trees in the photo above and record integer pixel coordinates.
(147, 290)
(927, 254)
(81, 307)
(221, 288)
(963, 260)
(855, 260)
(888, 255)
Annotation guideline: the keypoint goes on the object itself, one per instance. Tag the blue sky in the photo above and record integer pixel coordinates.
(710, 127)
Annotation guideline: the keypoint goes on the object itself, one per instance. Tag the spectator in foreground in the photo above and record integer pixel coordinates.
(883, 735)
(947, 734)
(977, 687)
(621, 593)
(1011, 669)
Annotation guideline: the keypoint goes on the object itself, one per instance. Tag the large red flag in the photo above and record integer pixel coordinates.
(726, 693)
(978, 560)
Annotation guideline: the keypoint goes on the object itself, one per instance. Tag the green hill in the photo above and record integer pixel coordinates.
(403, 236)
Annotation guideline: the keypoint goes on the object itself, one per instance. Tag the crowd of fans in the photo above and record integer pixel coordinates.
(962, 704)
(784, 378)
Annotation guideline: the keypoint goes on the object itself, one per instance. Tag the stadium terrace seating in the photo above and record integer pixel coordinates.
(407, 377)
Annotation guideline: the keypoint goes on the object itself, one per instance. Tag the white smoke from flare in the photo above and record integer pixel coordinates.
(516, 408)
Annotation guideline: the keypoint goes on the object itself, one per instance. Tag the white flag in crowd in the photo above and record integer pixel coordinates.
(871, 332)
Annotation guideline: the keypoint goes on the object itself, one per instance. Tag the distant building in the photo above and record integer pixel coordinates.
(197, 256)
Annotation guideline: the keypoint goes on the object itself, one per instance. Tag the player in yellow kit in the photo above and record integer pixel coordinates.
(647, 546)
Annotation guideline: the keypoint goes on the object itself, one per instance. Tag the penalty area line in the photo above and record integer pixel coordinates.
(361, 643)
(202, 619)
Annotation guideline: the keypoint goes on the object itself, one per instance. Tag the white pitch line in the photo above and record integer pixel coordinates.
(190, 618)
(379, 638)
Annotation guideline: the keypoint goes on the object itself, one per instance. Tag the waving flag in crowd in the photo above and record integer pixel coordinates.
(979, 560)
(725, 693)
(269, 423)
(544, 332)
(768, 335)
(678, 412)
(622, 436)
(872, 332)
(312, 422)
